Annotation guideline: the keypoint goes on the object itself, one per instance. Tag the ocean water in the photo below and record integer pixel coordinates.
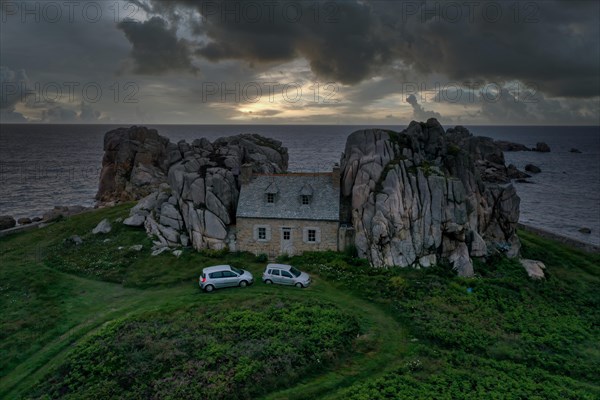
(42, 166)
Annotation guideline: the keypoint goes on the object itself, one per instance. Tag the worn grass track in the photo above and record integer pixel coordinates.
(81, 305)
(421, 333)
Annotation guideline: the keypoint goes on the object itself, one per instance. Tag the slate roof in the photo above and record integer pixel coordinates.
(324, 204)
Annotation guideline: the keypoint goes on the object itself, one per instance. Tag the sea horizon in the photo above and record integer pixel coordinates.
(75, 150)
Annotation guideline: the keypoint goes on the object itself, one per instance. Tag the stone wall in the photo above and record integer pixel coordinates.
(272, 247)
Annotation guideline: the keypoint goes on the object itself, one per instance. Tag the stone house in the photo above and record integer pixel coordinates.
(288, 213)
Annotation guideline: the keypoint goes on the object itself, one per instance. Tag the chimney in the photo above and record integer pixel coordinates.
(246, 174)
(335, 177)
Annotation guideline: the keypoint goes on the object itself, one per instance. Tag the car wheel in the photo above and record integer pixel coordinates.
(268, 281)
(243, 284)
(299, 285)
(209, 288)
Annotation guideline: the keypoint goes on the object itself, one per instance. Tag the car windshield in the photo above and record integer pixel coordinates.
(237, 271)
(295, 272)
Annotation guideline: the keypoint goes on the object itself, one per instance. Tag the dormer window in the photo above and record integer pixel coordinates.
(306, 194)
(271, 193)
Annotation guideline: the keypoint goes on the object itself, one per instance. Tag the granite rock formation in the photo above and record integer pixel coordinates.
(542, 147)
(423, 194)
(505, 145)
(135, 163)
(188, 191)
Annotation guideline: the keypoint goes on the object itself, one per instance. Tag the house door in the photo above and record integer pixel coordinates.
(287, 245)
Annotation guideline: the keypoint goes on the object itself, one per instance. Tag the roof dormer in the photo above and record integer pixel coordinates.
(271, 193)
(306, 194)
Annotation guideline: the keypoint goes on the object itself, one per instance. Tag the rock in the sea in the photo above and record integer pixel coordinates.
(511, 146)
(535, 269)
(532, 168)
(542, 147)
(514, 173)
(7, 222)
(574, 150)
(587, 231)
(24, 221)
(103, 227)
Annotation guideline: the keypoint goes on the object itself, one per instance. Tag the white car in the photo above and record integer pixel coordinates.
(285, 275)
(221, 276)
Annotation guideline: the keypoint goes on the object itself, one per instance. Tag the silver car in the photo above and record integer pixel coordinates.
(221, 276)
(285, 275)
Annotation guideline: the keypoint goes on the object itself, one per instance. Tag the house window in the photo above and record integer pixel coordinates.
(270, 197)
(286, 234)
(262, 233)
(311, 235)
(305, 199)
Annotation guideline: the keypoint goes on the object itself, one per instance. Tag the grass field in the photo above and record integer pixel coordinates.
(101, 320)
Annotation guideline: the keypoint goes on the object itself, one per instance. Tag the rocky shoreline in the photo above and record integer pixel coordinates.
(574, 243)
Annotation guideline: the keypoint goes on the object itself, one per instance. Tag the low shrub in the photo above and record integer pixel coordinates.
(225, 352)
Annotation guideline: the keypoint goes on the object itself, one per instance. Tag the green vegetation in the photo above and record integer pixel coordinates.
(222, 351)
(496, 335)
(102, 320)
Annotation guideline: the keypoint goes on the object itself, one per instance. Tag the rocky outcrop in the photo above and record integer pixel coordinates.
(513, 173)
(7, 222)
(533, 168)
(423, 194)
(135, 163)
(511, 146)
(196, 202)
(542, 147)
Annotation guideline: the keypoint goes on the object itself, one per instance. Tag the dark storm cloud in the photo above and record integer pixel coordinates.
(156, 48)
(341, 41)
(553, 45)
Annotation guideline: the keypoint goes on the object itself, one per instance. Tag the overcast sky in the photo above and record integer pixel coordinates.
(308, 62)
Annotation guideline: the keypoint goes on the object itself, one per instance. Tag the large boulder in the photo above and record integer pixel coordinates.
(135, 163)
(535, 269)
(7, 222)
(511, 146)
(542, 147)
(424, 192)
(135, 220)
(102, 227)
